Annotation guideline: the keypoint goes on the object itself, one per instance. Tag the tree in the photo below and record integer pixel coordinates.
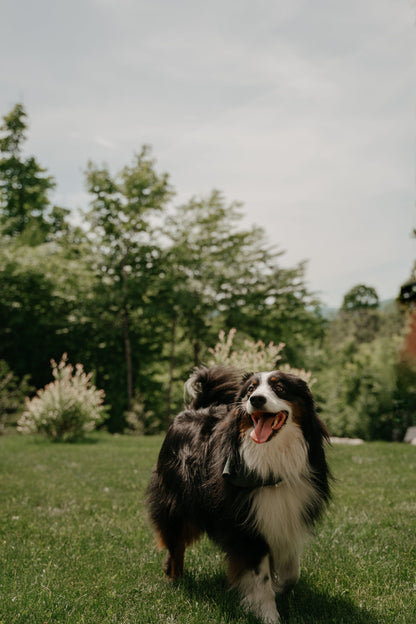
(364, 387)
(25, 208)
(141, 295)
(368, 392)
(360, 297)
(407, 295)
(122, 230)
(46, 307)
(12, 395)
(205, 256)
(359, 315)
(275, 304)
(217, 275)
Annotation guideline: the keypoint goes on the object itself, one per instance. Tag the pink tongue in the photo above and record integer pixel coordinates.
(263, 430)
(263, 425)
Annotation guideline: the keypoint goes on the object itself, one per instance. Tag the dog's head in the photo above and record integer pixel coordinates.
(271, 401)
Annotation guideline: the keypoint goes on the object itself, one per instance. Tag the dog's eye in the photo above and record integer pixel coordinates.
(250, 389)
(278, 387)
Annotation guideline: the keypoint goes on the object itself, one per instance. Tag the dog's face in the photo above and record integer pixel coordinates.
(272, 400)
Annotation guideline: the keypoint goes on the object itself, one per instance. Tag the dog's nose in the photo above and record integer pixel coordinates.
(257, 400)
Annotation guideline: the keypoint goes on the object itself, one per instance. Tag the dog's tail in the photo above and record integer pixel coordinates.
(217, 385)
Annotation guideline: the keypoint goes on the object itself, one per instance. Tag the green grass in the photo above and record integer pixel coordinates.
(76, 547)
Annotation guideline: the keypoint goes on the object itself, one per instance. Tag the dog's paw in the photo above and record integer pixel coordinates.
(283, 588)
(285, 577)
(265, 610)
(257, 593)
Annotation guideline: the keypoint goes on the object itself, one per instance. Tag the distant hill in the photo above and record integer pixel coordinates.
(386, 304)
(329, 313)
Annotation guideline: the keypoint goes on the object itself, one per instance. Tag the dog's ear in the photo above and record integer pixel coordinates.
(246, 377)
(313, 428)
(316, 434)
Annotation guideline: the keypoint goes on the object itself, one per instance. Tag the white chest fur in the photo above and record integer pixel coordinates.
(278, 516)
(278, 511)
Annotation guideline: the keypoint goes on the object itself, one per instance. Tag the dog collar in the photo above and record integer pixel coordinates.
(242, 478)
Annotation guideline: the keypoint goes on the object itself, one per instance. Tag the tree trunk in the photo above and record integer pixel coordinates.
(127, 352)
(197, 350)
(127, 341)
(171, 367)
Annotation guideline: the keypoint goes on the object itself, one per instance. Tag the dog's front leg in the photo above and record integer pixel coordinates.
(286, 575)
(258, 597)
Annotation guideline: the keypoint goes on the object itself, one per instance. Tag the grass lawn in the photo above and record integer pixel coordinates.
(76, 547)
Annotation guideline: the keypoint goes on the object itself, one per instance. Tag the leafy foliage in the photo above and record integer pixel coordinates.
(122, 234)
(12, 395)
(67, 408)
(46, 307)
(361, 297)
(249, 355)
(140, 291)
(25, 209)
(364, 388)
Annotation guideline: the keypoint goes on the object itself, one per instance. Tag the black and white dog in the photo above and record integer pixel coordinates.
(245, 463)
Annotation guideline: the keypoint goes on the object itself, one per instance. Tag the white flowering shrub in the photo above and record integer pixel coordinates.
(252, 356)
(67, 408)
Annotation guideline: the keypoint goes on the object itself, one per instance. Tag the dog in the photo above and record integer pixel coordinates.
(244, 463)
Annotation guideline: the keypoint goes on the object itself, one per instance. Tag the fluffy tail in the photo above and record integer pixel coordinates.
(217, 385)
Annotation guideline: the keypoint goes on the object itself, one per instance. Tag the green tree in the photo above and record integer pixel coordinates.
(277, 305)
(364, 388)
(231, 275)
(217, 275)
(25, 208)
(361, 297)
(368, 393)
(359, 316)
(46, 307)
(206, 259)
(122, 221)
(12, 395)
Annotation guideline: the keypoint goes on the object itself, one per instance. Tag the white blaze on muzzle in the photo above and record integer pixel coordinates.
(267, 411)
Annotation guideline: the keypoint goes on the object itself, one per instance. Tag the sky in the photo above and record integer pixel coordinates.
(303, 111)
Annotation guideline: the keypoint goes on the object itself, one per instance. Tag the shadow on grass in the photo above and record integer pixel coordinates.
(305, 605)
(213, 590)
(308, 605)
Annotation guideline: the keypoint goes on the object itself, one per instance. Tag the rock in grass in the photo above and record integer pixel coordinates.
(351, 441)
(410, 435)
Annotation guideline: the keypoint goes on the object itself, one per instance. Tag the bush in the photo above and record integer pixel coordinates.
(252, 356)
(368, 392)
(12, 395)
(65, 409)
(139, 420)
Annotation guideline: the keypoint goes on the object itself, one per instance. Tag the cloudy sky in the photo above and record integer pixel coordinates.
(303, 111)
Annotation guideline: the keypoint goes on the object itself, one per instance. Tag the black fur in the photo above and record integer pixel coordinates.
(189, 494)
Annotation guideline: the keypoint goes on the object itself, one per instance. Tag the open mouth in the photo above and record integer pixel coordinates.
(266, 425)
